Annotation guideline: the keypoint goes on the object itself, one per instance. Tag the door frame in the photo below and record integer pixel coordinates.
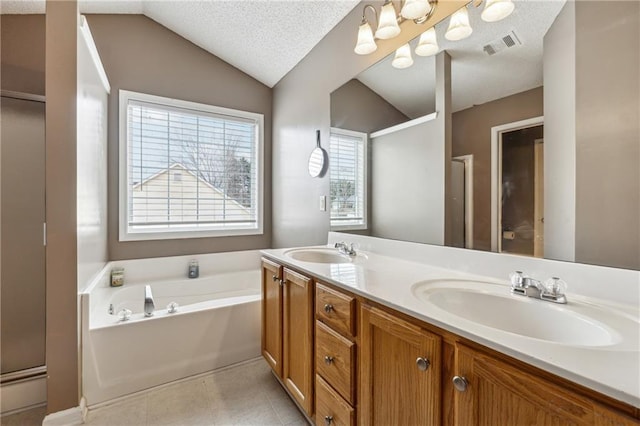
(468, 198)
(496, 172)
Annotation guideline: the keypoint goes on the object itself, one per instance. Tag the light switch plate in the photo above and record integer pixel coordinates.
(323, 203)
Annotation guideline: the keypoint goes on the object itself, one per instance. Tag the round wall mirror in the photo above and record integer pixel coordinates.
(318, 160)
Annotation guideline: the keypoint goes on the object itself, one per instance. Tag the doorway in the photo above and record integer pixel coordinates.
(518, 188)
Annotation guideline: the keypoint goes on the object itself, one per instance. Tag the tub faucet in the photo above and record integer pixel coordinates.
(149, 306)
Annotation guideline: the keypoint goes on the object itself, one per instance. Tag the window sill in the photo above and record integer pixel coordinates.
(175, 235)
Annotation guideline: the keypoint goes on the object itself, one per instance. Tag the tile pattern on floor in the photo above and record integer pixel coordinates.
(246, 394)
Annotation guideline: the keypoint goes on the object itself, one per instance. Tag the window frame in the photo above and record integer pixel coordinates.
(365, 180)
(125, 234)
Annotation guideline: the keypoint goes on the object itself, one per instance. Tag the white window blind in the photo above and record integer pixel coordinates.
(347, 168)
(189, 170)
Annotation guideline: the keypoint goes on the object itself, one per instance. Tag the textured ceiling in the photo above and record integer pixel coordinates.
(263, 38)
(476, 77)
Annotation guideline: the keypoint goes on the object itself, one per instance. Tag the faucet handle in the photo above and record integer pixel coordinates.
(554, 286)
(517, 279)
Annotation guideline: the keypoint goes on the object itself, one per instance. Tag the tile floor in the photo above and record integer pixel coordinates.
(247, 394)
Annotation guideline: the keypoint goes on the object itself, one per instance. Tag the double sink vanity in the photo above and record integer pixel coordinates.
(395, 333)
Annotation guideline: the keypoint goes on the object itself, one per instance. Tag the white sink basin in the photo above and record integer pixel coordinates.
(492, 305)
(323, 255)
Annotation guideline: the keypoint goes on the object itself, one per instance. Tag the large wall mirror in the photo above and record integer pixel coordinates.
(523, 138)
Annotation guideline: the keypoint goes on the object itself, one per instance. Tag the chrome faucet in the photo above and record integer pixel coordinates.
(343, 248)
(552, 290)
(149, 306)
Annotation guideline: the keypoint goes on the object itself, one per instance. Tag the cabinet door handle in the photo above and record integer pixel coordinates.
(328, 360)
(460, 383)
(328, 420)
(422, 363)
(274, 278)
(328, 307)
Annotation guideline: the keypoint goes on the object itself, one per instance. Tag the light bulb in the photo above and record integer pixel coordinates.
(403, 57)
(388, 24)
(428, 43)
(365, 44)
(495, 10)
(459, 27)
(414, 9)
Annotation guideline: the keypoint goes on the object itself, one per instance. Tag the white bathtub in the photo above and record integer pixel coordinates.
(217, 323)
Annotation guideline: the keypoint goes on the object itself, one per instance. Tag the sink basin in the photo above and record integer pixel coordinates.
(322, 255)
(492, 305)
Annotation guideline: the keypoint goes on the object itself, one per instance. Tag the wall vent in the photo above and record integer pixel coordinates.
(505, 42)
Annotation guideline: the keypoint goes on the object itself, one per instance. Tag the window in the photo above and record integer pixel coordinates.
(347, 169)
(188, 169)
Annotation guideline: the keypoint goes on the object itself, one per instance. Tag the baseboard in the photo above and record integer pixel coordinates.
(70, 417)
(23, 394)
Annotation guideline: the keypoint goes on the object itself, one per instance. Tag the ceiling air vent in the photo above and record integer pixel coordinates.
(509, 40)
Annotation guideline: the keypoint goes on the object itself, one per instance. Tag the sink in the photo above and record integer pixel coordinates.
(323, 255)
(492, 305)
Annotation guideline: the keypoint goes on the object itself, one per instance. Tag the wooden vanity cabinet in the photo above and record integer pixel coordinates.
(489, 391)
(353, 360)
(272, 315)
(287, 330)
(335, 355)
(400, 371)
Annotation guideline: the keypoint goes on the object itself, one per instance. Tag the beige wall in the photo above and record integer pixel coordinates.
(608, 133)
(23, 46)
(472, 135)
(60, 161)
(301, 104)
(141, 55)
(356, 107)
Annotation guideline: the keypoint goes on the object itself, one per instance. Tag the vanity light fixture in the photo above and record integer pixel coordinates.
(388, 23)
(403, 57)
(387, 26)
(428, 43)
(459, 27)
(495, 10)
(420, 11)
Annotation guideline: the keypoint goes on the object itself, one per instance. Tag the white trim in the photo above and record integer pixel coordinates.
(468, 198)
(496, 155)
(365, 211)
(405, 125)
(124, 235)
(69, 417)
(93, 51)
(23, 394)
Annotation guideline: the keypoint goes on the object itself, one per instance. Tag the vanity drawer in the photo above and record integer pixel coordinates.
(331, 409)
(335, 361)
(336, 309)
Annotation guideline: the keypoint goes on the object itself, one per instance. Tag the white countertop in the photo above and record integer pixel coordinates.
(611, 370)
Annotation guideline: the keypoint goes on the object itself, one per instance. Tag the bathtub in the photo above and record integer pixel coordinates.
(217, 323)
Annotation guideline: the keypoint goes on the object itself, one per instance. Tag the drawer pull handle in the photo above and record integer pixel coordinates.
(328, 420)
(460, 383)
(422, 363)
(328, 307)
(328, 360)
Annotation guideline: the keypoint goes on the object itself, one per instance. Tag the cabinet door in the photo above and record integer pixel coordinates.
(272, 315)
(395, 387)
(498, 393)
(298, 338)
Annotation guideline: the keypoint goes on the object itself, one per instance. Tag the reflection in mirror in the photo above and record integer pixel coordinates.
(533, 148)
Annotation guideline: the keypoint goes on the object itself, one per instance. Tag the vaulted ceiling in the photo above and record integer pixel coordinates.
(265, 39)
